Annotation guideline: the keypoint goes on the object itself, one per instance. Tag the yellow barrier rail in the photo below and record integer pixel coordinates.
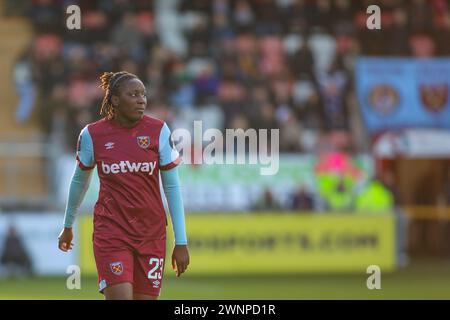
(427, 212)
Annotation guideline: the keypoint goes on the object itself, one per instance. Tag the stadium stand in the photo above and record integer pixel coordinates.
(21, 146)
(284, 64)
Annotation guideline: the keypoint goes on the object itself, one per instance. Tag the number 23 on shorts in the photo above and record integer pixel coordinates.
(156, 270)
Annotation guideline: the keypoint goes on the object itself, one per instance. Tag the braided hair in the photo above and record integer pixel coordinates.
(110, 82)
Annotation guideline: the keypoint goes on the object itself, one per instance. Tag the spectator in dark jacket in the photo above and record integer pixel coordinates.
(15, 258)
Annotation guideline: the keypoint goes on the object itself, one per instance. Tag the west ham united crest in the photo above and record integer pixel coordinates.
(143, 141)
(116, 268)
(434, 96)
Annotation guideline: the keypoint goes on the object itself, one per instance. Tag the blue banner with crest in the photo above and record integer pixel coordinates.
(397, 93)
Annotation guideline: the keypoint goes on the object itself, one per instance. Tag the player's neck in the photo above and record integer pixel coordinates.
(124, 122)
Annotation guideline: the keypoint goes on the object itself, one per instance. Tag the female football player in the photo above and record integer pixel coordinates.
(130, 151)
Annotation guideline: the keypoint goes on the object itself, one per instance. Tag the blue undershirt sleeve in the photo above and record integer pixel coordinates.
(81, 176)
(77, 190)
(172, 190)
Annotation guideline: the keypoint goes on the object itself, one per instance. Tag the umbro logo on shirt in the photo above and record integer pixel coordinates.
(109, 145)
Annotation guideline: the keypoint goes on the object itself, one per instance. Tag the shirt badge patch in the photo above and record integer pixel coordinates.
(143, 141)
(116, 268)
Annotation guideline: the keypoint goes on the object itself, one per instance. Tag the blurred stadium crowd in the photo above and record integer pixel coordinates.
(284, 64)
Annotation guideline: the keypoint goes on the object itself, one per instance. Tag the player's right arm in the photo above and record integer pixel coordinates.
(78, 187)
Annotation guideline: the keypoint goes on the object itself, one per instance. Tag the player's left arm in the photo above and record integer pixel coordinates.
(169, 158)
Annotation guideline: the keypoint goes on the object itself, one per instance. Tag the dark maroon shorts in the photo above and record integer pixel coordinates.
(140, 262)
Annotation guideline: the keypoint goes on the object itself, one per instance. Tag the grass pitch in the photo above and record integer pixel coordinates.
(420, 280)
